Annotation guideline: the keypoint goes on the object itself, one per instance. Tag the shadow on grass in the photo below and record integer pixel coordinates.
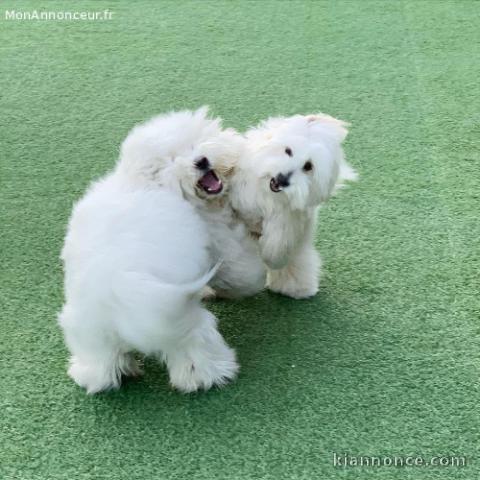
(268, 331)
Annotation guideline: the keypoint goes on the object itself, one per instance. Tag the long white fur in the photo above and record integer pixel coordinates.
(285, 221)
(141, 246)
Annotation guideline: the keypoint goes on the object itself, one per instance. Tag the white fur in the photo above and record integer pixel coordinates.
(285, 221)
(146, 158)
(141, 246)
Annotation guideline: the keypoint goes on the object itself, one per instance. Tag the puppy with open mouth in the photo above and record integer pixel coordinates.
(288, 168)
(209, 181)
(142, 245)
(241, 271)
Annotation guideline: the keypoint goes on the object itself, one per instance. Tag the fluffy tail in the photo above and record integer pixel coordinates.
(135, 285)
(193, 287)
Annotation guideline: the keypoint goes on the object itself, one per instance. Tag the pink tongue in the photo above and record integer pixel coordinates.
(210, 181)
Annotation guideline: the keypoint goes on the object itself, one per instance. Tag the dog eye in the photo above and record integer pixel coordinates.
(202, 163)
(288, 151)
(308, 167)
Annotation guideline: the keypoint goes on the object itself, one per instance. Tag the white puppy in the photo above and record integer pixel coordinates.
(137, 255)
(289, 167)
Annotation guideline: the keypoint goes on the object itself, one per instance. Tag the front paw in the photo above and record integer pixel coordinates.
(208, 293)
(295, 284)
(275, 262)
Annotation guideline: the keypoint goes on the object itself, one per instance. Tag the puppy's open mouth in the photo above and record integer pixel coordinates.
(210, 183)
(275, 186)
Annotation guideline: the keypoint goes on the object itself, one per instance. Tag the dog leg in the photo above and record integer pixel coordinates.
(242, 272)
(97, 362)
(201, 358)
(243, 277)
(299, 279)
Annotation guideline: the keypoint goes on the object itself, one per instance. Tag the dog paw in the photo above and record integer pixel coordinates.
(94, 377)
(208, 293)
(294, 292)
(99, 375)
(202, 372)
(130, 367)
(286, 283)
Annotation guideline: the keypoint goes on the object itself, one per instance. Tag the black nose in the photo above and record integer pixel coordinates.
(279, 182)
(283, 180)
(202, 163)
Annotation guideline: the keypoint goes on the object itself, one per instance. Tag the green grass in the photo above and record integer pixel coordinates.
(384, 361)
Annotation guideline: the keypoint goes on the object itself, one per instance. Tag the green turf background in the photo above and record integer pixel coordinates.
(385, 360)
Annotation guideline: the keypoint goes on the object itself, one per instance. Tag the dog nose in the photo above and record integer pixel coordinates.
(280, 182)
(202, 163)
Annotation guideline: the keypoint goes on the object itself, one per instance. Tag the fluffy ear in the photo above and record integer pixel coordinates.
(327, 125)
(226, 147)
(331, 132)
(346, 174)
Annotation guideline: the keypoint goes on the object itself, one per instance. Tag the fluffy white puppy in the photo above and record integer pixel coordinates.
(137, 255)
(288, 168)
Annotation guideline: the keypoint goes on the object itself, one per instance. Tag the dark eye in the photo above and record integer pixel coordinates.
(202, 163)
(288, 151)
(308, 167)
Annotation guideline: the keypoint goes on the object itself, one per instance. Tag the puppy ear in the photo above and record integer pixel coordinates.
(338, 130)
(331, 132)
(202, 112)
(327, 125)
(227, 147)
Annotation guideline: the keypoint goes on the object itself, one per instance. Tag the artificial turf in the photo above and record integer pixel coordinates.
(385, 360)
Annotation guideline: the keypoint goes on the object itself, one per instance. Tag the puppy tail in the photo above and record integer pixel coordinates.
(148, 297)
(126, 283)
(194, 287)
